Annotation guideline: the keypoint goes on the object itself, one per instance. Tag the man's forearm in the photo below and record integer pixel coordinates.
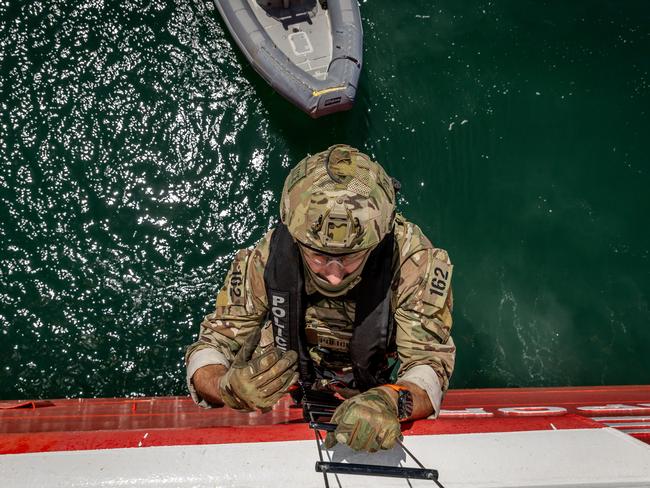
(206, 382)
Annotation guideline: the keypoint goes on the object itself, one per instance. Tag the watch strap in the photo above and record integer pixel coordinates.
(404, 401)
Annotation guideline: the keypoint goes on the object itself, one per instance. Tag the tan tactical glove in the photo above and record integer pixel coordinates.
(366, 422)
(259, 382)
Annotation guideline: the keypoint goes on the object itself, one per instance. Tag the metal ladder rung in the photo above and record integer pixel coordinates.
(376, 470)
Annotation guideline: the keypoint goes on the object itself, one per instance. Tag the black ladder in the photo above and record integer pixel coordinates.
(318, 406)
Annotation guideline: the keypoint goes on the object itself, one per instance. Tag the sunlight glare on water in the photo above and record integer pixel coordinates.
(128, 131)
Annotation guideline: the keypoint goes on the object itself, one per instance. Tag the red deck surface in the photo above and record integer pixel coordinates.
(112, 423)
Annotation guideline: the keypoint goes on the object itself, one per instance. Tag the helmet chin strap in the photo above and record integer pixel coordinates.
(327, 289)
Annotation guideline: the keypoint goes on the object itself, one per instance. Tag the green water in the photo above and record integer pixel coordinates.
(139, 151)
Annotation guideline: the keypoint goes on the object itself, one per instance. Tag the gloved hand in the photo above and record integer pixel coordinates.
(260, 382)
(366, 422)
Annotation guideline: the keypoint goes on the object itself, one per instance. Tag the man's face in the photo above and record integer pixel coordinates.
(333, 268)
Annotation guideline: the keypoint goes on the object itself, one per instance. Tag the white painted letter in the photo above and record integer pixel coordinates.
(278, 312)
(532, 411)
(613, 409)
(465, 413)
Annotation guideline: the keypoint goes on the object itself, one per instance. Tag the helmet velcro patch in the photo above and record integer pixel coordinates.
(297, 174)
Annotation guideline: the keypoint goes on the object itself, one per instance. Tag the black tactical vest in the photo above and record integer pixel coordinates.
(373, 323)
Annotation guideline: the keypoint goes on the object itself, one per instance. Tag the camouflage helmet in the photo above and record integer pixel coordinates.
(338, 201)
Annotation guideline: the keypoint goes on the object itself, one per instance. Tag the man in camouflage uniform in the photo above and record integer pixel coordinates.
(338, 209)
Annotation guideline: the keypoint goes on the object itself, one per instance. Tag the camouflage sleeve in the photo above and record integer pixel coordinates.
(241, 307)
(423, 322)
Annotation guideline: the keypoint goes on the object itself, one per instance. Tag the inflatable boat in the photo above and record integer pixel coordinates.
(541, 437)
(309, 51)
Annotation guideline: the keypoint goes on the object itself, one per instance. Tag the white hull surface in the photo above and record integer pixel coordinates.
(601, 457)
(526, 437)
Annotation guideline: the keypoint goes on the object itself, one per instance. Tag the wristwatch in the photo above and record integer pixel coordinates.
(404, 401)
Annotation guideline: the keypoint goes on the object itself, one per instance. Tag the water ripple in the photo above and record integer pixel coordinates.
(124, 200)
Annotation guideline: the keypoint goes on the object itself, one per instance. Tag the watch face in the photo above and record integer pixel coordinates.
(404, 404)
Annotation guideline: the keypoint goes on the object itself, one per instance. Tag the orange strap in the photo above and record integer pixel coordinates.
(395, 387)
